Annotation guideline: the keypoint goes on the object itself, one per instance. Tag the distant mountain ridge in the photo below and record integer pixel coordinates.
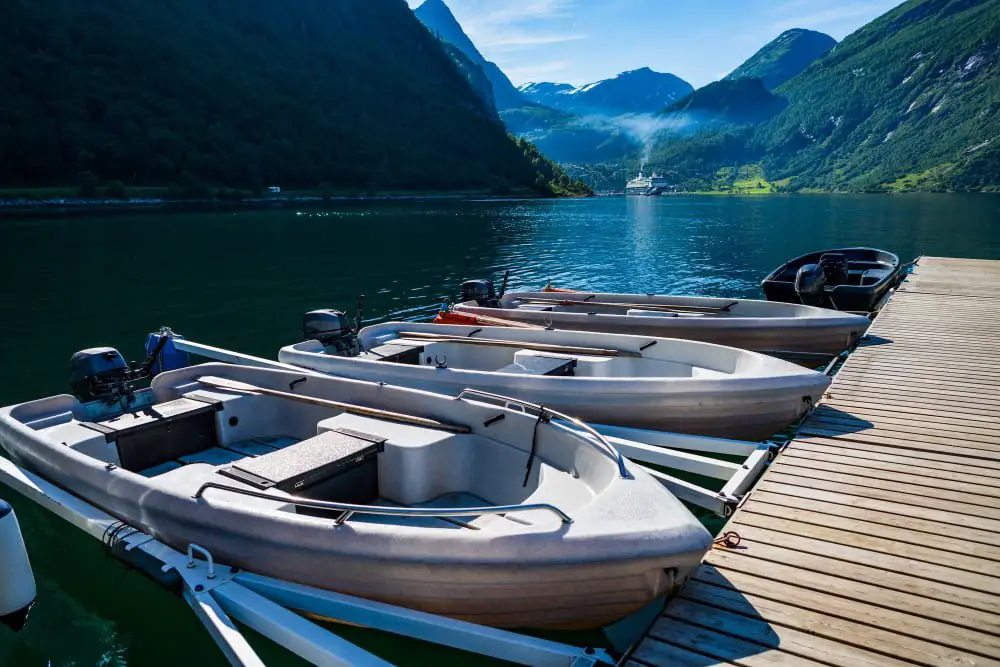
(436, 16)
(635, 91)
(785, 56)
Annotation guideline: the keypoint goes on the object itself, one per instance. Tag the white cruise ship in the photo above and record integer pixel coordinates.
(653, 184)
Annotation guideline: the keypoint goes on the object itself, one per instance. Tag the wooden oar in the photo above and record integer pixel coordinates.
(501, 322)
(524, 345)
(641, 306)
(235, 385)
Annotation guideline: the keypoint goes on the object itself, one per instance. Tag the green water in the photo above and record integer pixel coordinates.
(242, 279)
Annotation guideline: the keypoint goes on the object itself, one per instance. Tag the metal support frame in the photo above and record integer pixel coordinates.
(218, 595)
(677, 451)
(231, 357)
(421, 625)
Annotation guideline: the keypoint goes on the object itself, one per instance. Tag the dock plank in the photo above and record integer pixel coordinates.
(874, 537)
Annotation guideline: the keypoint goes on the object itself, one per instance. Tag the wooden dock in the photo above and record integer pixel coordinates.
(874, 538)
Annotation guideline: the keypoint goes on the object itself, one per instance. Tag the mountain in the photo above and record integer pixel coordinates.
(784, 57)
(436, 16)
(737, 101)
(305, 94)
(636, 91)
(566, 137)
(909, 101)
(544, 92)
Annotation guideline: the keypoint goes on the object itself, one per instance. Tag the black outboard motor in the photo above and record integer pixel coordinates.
(834, 267)
(332, 329)
(99, 373)
(480, 291)
(810, 280)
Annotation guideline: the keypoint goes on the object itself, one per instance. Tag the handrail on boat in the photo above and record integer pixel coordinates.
(542, 410)
(349, 509)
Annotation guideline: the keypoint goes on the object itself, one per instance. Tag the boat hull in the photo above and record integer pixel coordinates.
(747, 407)
(826, 334)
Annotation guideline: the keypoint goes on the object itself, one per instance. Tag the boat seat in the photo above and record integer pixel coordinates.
(874, 276)
(337, 465)
(537, 364)
(159, 433)
(398, 352)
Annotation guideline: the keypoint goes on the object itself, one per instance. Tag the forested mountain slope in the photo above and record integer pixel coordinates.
(784, 56)
(915, 93)
(436, 16)
(909, 101)
(244, 94)
(730, 101)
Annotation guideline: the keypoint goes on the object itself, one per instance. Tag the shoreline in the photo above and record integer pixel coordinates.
(69, 205)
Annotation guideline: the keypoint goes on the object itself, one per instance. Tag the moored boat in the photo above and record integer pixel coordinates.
(637, 381)
(460, 507)
(853, 279)
(765, 326)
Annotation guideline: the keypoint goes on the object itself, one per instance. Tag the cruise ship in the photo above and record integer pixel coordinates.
(653, 184)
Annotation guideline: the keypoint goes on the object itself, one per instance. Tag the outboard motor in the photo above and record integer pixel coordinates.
(17, 584)
(480, 291)
(810, 280)
(332, 329)
(834, 267)
(99, 373)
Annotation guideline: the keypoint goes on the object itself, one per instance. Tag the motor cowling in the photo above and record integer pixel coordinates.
(98, 373)
(834, 268)
(480, 291)
(333, 329)
(810, 280)
(17, 584)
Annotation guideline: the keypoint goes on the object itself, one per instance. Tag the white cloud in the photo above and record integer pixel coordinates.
(498, 26)
(541, 71)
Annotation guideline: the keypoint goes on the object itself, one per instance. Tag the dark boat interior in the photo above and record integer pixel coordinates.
(850, 266)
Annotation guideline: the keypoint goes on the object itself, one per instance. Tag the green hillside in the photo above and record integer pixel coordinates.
(917, 89)
(909, 101)
(784, 57)
(301, 94)
(730, 101)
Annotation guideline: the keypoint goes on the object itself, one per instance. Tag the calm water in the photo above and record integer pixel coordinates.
(242, 280)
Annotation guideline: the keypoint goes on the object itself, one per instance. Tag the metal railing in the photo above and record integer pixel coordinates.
(348, 509)
(606, 446)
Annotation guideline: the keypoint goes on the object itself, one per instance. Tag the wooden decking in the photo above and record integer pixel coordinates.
(874, 539)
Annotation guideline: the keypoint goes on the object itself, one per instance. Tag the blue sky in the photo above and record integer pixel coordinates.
(579, 41)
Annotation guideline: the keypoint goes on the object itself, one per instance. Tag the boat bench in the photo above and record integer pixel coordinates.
(337, 465)
(874, 276)
(398, 352)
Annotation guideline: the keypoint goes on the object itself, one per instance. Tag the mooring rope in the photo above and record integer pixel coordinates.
(729, 539)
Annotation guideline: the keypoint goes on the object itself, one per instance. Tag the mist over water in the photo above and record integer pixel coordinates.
(643, 128)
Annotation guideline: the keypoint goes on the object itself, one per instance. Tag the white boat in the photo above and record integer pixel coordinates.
(764, 326)
(636, 381)
(654, 184)
(460, 507)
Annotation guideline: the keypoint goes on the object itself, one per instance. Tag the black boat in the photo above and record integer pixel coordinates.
(852, 279)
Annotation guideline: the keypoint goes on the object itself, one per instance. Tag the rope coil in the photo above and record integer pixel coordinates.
(730, 540)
